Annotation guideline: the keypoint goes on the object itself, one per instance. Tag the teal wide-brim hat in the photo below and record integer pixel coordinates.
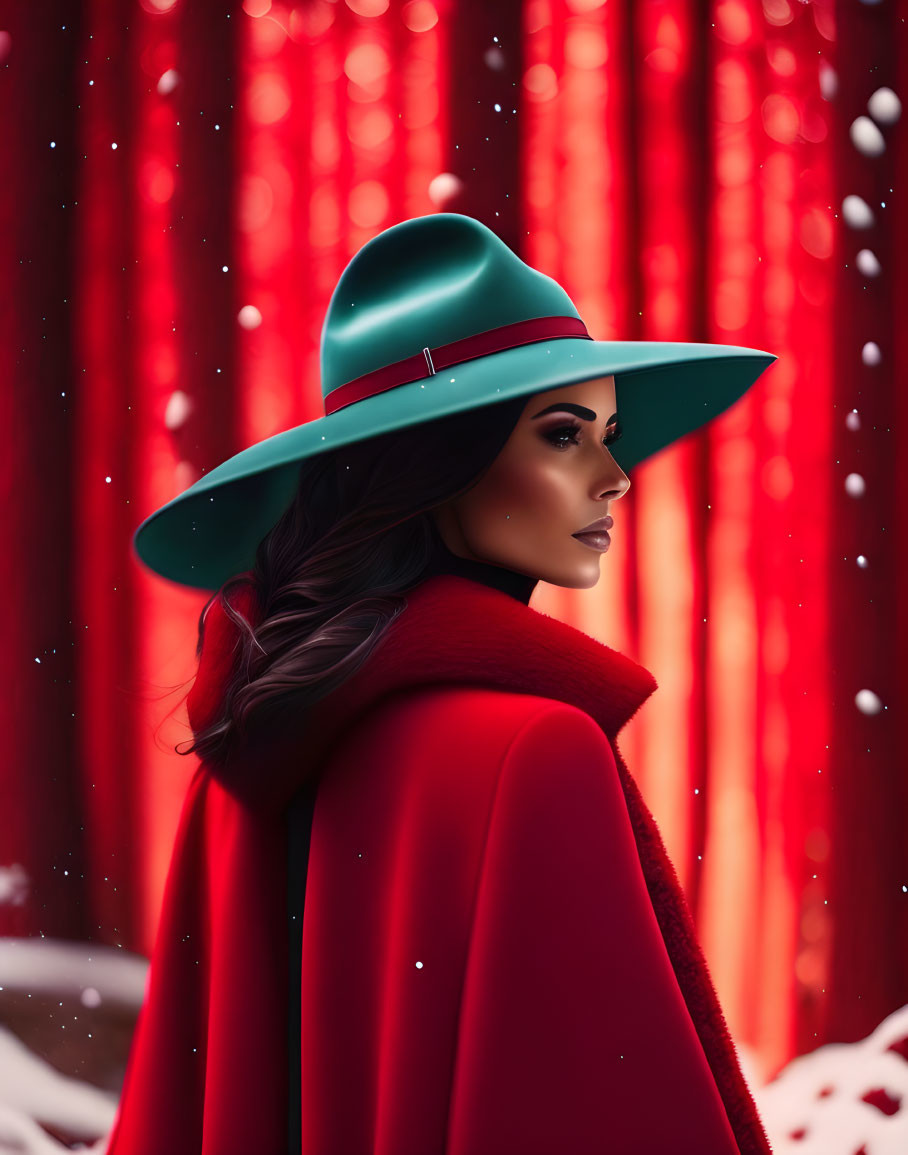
(432, 317)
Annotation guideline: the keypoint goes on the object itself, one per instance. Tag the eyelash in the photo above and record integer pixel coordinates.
(574, 428)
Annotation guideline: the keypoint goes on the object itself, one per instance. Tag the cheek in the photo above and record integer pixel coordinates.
(529, 497)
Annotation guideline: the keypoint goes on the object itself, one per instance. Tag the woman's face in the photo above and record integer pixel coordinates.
(553, 477)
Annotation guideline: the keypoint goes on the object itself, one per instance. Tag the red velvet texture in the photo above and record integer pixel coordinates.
(473, 815)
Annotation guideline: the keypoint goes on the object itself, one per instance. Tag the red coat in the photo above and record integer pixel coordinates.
(497, 957)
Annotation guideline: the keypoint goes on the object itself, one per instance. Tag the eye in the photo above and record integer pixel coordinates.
(563, 435)
(616, 436)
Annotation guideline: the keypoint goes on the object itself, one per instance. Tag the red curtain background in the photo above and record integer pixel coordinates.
(183, 184)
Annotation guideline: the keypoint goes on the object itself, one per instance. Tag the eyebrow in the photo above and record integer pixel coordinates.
(578, 411)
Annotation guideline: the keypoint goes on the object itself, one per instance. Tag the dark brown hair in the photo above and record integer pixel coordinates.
(331, 575)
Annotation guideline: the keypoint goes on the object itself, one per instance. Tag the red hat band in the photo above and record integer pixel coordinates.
(431, 361)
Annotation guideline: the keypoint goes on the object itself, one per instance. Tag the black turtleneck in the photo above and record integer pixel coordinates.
(442, 560)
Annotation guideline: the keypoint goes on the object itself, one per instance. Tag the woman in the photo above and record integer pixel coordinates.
(416, 903)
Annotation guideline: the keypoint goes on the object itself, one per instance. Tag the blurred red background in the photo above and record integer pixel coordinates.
(183, 185)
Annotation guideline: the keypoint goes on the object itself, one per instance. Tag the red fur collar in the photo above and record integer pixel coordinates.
(455, 631)
(461, 631)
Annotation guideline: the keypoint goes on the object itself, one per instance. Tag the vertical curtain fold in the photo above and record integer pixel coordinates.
(104, 507)
(866, 869)
(43, 845)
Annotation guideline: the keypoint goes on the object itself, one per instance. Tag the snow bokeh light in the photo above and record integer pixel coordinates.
(870, 354)
(884, 106)
(13, 884)
(866, 137)
(829, 81)
(168, 82)
(868, 702)
(249, 317)
(855, 486)
(857, 212)
(179, 407)
(444, 187)
(494, 58)
(867, 263)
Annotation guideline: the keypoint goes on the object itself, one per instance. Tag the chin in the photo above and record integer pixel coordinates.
(575, 581)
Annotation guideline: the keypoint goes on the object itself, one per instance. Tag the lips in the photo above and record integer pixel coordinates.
(596, 535)
(597, 541)
(601, 526)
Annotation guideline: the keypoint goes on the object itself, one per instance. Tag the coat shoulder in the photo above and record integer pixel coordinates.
(482, 732)
(491, 717)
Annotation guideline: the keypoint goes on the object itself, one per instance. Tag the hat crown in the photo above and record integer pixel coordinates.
(426, 283)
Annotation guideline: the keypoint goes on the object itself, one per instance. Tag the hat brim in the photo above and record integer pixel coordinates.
(664, 390)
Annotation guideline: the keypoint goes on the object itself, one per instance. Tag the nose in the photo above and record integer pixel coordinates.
(615, 483)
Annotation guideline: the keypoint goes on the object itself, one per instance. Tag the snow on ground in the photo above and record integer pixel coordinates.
(32, 1092)
(843, 1099)
(838, 1100)
(75, 985)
